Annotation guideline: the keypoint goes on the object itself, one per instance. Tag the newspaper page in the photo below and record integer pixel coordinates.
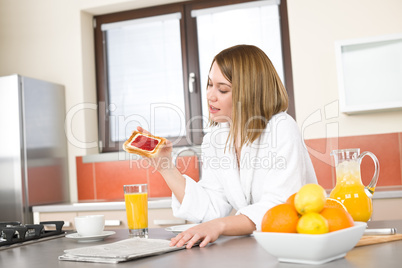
(125, 250)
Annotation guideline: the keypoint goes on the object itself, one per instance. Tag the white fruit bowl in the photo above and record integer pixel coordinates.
(311, 249)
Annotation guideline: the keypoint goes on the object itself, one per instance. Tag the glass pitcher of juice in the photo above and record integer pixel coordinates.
(349, 188)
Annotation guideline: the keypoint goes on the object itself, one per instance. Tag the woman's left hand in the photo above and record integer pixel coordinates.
(206, 232)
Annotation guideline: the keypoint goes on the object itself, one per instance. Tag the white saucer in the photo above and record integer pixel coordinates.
(92, 238)
(179, 228)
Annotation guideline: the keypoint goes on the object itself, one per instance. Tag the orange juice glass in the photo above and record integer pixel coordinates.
(136, 199)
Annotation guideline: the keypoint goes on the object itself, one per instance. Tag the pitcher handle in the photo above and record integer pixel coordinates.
(373, 183)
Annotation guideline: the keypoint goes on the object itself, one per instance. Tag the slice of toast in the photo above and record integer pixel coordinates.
(143, 144)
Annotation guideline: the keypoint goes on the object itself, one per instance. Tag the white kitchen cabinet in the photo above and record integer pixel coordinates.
(386, 209)
(67, 217)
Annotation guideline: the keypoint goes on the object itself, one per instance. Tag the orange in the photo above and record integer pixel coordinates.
(291, 199)
(338, 218)
(333, 203)
(281, 218)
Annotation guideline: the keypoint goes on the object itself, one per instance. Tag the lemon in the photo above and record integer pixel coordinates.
(310, 198)
(312, 223)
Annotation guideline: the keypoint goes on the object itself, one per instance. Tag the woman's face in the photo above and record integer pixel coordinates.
(219, 96)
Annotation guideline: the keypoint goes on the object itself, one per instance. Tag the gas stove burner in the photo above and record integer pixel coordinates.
(13, 232)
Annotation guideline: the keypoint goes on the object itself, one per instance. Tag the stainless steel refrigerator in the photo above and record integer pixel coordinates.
(33, 146)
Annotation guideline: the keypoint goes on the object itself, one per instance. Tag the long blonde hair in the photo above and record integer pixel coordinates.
(257, 91)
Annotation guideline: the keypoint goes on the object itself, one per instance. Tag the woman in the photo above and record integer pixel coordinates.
(253, 158)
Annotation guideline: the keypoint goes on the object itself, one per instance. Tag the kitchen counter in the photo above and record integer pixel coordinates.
(384, 192)
(237, 251)
(160, 213)
(387, 192)
(153, 203)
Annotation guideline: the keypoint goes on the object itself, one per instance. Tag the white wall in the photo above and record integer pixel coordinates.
(315, 25)
(42, 39)
(53, 40)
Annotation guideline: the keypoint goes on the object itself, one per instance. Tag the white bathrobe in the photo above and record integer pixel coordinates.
(275, 166)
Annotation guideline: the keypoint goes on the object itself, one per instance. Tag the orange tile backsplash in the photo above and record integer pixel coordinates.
(85, 180)
(387, 148)
(103, 181)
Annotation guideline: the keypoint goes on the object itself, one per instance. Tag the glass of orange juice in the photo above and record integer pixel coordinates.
(136, 198)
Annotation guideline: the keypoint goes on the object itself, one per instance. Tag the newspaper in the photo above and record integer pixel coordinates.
(125, 250)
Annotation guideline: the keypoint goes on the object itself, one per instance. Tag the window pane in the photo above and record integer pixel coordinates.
(220, 29)
(145, 77)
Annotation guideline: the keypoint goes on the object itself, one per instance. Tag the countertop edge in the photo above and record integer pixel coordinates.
(387, 194)
(159, 203)
(98, 206)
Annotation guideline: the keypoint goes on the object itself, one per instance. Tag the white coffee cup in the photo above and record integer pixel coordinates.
(89, 225)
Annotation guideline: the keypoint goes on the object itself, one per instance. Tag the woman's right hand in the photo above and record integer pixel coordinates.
(163, 160)
(164, 164)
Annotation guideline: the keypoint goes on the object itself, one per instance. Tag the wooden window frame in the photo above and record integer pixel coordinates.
(190, 64)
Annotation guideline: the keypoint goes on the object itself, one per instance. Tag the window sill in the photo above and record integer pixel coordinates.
(119, 156)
